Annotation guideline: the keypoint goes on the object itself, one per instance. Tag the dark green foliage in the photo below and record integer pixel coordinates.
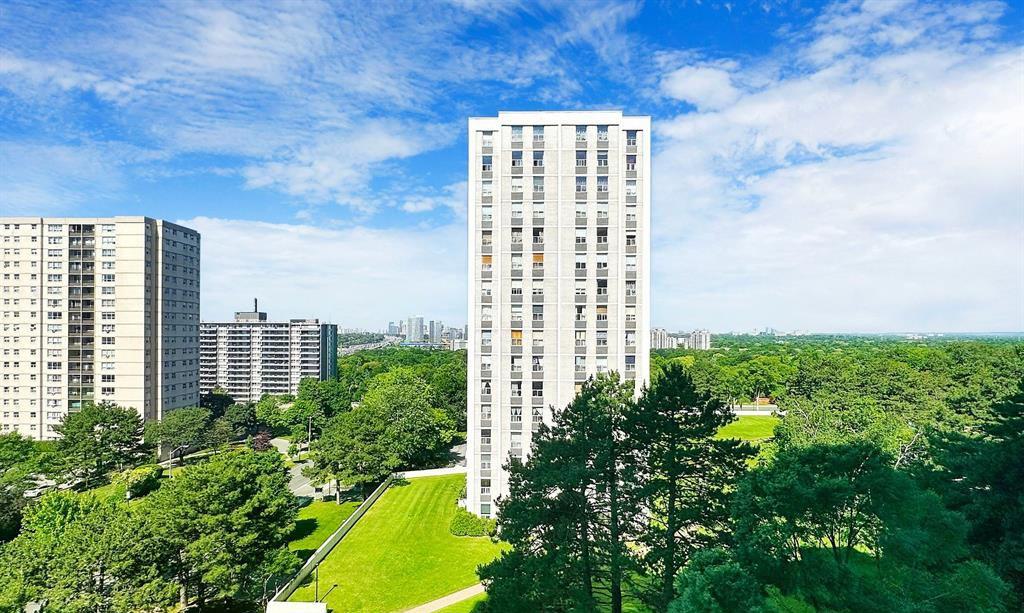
(97, 440)
(217, 401)
(567, 516)
(465, 523)
(181, 430)
(682, 475)
(714, 582)
(394, 427)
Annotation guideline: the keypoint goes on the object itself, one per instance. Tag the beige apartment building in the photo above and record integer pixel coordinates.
(96, 309)
(251, 356)
(559, 269)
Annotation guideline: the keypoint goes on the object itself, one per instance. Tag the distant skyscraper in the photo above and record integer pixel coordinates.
(700, 339)
(394, 329)
(414, 330)
(96, 309)
(250, 356)
(559, 269)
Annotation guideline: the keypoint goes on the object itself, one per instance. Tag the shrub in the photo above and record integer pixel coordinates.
(141, 480)
(465, 523)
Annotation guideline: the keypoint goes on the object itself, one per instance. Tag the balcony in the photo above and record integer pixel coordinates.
(537, 298)
(581, 141)
(538, 324)
(538, 195)
(581, 247)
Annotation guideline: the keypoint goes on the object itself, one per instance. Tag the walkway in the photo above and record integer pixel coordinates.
(432, 472)
(450, 599)
(297, 483)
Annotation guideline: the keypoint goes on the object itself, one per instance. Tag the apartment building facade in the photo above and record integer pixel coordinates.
(92, 310)
(559, 269)
(251, 356)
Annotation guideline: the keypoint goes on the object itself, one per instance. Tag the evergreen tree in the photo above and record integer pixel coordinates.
(683, 474)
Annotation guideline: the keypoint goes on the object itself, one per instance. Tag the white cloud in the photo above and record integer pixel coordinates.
(37, 178)
(882, 191)
(453, 196)
(705, 87)
(355, 277)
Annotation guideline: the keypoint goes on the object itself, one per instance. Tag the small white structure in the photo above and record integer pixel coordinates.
(296, 607)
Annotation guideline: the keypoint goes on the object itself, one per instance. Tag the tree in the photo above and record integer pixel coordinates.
(97, 440)
(17, 466)
(242, 418)
(181, 429)
(684, 474)
(329, 397)
(448, 384)
(351, 451)
(713, 581)
(218, 528)
(217, 401)
(808, 519)
(566, 515)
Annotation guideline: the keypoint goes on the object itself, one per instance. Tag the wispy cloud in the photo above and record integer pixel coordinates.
(880, 189)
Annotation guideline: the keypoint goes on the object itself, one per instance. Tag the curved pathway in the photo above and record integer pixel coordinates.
(450, 599)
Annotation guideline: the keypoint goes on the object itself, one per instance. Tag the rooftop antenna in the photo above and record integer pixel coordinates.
(255, 305)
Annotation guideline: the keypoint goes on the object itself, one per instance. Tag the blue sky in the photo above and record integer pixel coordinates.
(852, 166)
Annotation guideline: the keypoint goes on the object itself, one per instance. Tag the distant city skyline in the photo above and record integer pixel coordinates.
(821, 166)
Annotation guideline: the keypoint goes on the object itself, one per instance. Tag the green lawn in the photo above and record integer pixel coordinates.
(754, 428)
(401, 554)
(316, 522)
(466, 606)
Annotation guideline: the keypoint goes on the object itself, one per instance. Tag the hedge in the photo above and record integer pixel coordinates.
(465, 523)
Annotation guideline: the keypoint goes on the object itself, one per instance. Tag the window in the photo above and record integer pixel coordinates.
(602, 158)
(516, 415)
(538, 159)
(485, 213)
(538, 235)
(485, 409)
(517, 159)
(516, 389)
(517, 134)
(581, 338)
(631, 213)
(538, 342)
(485, 338)
(581, 313)
(517, 261)
(538, 210)
(538, 312)
(486, 188)
(581, 133)
(602, 312)
(581, 287)
(538, 184)
(630, 363)
(538, 134)
(601, 362)
(538, 389)
(581, 262)
(631, 240)
(581, 236)
(485, 507)
(581, 210)
(602, 287)
(486, 163)
(630, 289)
(630, 263)
(517, 235)
(631, 338)
(538, 261)
(485, 288)
(631, 137)
(602, 338)
(631, 187)
(581, 158)
(581, 184)
(537, 290)
(602, 209)
(630, 162)
(517, 338)
(602, 133)
(486, 238)
(517, 210)
(517, 288)
(485, 485)
(485, 312)
(581, 363)
(487, 139)
(631, 313)
(517, 363)
(517, 312)
(602, 184)
(485, 433)
(602, 236)
(602, 261)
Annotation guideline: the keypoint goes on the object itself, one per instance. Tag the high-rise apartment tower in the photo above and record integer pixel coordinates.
(251, 356)
(559, 269)
(96, 309)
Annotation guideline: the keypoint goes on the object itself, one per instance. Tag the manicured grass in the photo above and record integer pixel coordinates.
(316, 522)
(401, 554)
(753, 428)
(466, 606)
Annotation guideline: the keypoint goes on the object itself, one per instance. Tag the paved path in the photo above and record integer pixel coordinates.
(297, 483)
(432, 472)
(450, 599)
